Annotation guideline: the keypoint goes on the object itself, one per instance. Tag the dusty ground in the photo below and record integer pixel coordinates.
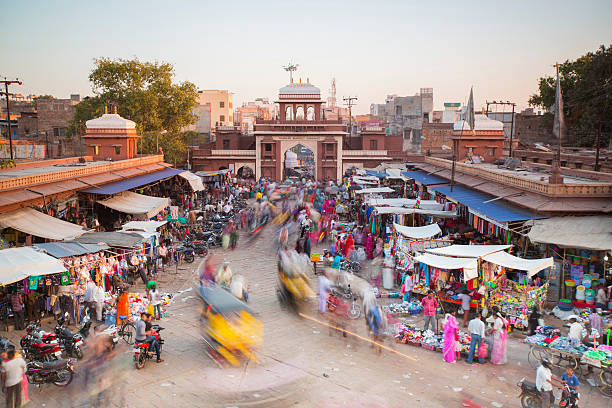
(301, 363)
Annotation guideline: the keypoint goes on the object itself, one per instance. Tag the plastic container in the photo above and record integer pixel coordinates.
(580, 292)
(570, 282)
(589, 299)
(387, 276)
(589, 293)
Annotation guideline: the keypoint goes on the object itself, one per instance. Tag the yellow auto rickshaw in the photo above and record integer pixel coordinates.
(293, 286)
(231, 332)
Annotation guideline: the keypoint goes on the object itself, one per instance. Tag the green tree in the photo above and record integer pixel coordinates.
(143, 92)
(174, 145)
(586, 84)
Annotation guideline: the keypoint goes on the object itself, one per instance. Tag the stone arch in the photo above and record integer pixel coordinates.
(309, 144)
(245, 171)
(310, 113)
(299, 113)
(289, 112)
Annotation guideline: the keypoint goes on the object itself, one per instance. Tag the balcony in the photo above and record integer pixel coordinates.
(298, 122)
(245, 153)
(348, 153)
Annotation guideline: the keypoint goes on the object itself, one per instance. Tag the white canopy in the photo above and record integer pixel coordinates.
(402, 210)
(468, 251)
(137, 204)
(426, 231)
(375, 190)
(33, 222)
(359, 180)
(592, 232)
(194, 181)
(395, 174)
(531, 266)
(19, 263)
(146, 226)
(469, 265)
(405, 202)
(369, 178)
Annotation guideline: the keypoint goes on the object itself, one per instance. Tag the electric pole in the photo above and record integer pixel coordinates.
(8, 109)
(503, 119)
(349, 102)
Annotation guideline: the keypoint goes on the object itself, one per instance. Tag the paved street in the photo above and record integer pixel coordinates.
(302, 363)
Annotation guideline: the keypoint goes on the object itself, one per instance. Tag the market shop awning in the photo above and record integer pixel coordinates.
(395, 174)
(359, 180)
(376, 174)
(468, 251)
(375, 190)
(426, 231)
(212, 173)
(424, 178)
(137, 204)
(403, 210)
(484, 204)
(70, 248)
(469, 266)
(127, 184)
(368, 178)
(531, 266)
(591, 232)
(32, 222)
(19, 263)
(405, 202)
(121, 239)
(194, 181)
(146, 226)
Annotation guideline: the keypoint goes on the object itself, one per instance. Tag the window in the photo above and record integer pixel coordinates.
(231, 105)
(268, 147)
(56, 132)
(398, 111)
(470, 151)
(492, 152)
(310, 113)
(288, 113)
(373, 144)
(329, 147)
(117, 150)
(222, 104)
(226, 144)
(62, 132)
(222, 119)
(299, 113)
(96, 150)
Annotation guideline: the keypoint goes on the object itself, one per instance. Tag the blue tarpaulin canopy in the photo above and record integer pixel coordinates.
(70, 248)
(376, 173)
(127, 184)
(424, 178)
(477, 201)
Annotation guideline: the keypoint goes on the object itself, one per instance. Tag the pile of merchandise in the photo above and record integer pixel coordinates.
(137, 302)
(408, 334)
(601, 357)
(408, 308)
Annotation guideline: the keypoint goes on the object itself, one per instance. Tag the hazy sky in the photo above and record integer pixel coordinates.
(372, 48)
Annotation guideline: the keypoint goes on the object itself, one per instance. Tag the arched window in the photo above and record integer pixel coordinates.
(299, 113)
(310, 113)
(289, 113)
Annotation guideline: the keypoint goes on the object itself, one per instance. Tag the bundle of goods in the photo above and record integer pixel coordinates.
(388, 294)
(407, 334)
(432, 341)
(408, 308)
(537, 339)
(600, 357)
(137, 304)
(564, 344)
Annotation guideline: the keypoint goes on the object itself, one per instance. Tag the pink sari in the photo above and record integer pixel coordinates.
(498, 355)
(450, 329)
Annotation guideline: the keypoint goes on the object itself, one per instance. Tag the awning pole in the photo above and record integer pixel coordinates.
(562, 283)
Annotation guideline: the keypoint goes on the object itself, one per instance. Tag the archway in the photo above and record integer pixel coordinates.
(299, 162)
(245, 172)
(289, 113)
(299, 113)
(310, 113)
(223, 167)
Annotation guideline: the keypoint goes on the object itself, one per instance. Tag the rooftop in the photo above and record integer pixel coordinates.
(481, 122)
(110, 121)
(299, 89)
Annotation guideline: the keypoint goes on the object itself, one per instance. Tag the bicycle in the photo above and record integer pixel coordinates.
(127, 331)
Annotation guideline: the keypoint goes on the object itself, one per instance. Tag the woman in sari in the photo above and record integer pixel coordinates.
(369, 246)
(500, 333)
(349, 245)
(450, 334)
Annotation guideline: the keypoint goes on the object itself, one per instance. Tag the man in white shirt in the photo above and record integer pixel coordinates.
(544, 383)
(575, 330)
(98, 297)
(476, 328)
(12, 374)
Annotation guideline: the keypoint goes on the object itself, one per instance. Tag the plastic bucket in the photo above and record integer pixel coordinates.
(589, 299)
(580, 292)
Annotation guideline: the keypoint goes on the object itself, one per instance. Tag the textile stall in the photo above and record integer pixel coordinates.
(36, 223)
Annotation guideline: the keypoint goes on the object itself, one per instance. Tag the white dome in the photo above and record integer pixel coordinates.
(481, 122)
(299, 89)
(110, 121)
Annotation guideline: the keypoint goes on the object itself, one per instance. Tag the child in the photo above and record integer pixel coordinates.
(483, 352)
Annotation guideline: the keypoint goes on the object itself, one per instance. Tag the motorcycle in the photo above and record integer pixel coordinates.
(58, 372)
(531, 397)
(141, 350)
(36, 350)
(344, 295)
(71, 343)
(188, 254)
(199, 247)
(85, 325)
(34, 329)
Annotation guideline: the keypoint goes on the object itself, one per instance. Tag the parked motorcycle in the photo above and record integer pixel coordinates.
(34, 329)
(188, 254)
(71, 343)
(344, 295)
(141, 350)
(531, 397)
(36, 350)
(58, 372)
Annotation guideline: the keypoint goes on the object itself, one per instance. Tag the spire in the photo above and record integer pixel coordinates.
(469, 113)
(115, 109)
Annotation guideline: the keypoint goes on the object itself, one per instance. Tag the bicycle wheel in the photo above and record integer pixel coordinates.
(606, 383)
(128, 332)
(535, 357)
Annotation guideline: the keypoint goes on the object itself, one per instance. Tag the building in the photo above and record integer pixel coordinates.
(484, 144)
(247, 114)
(301, 128)
(437, 138)
(531, 128)
(111, 137)
(221, 106)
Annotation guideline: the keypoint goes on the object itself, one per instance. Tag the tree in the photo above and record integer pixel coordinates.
(174, 145)
(586, 84)
(142, 92)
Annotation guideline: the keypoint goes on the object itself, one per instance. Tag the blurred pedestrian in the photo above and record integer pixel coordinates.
(12, 375)
(324, 289)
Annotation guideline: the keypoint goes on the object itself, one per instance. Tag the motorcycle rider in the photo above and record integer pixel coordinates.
(545, 381)
(570, 379)
(143, 334)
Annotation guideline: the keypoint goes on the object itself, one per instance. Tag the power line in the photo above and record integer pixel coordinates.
(6, 83)
(349, 102)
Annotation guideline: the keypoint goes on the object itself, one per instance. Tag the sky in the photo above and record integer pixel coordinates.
(373, 48)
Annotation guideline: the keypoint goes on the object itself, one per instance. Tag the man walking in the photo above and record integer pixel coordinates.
(429, 305)
(17, 305)
(12, 374)
(476, 328)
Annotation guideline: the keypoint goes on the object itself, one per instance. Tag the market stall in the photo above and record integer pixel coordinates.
(17, 264)
(136, 204)
(36, 223)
